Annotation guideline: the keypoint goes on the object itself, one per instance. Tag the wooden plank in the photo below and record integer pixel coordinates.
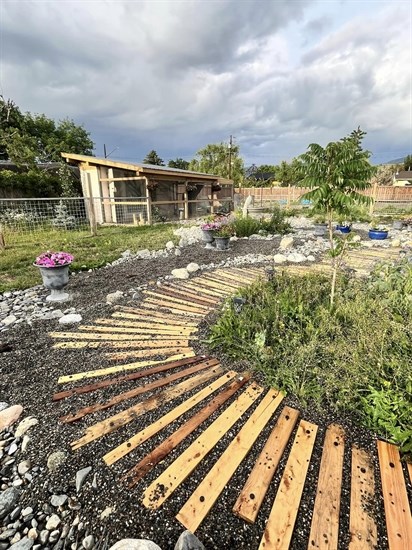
(281, 522)
(122, 418)
(152, 317)
(154, 327)
(199, 504)
(104, 336)
(198, 287)
(230, 284)
(362, 528)
(158, 306)
(139, 353)
(185, 290)
(123, 330)
(395, 498)
(409, 466)
(124, 396)
(88, 388)
(251, 498)
(162, 487)
(176, 306)
(119, 368)
(181, 301)
(141, 346)
(215, 285)
(324, 531)
(172, 291)
(145, 434)
(233, 279)
(161, 451)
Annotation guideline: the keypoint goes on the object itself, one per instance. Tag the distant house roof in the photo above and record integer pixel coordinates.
(404, 175)
(256, 174)
(143, 169)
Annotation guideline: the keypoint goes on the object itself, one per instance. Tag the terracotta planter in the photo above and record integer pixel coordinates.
(55, 279)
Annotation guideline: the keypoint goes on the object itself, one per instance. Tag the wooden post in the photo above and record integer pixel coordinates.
(2, 241)
(289, 193)
(261, 196)
(92, 214)
(186, 204)
(374, 193)
(149, 203)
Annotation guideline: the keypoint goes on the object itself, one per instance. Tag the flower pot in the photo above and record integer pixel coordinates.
(55, 279)
(222, 243)
(397, 224)
(208, 235)
(378, 234)
(344, 228)
(320, 229)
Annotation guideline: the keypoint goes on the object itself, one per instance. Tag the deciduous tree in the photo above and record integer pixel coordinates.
(215, 159)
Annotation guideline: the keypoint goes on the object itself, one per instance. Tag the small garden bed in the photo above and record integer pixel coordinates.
(354, 358)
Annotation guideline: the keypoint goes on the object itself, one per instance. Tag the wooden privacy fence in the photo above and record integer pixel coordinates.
(289, 195)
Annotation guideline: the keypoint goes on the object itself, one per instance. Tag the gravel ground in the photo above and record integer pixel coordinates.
(29, 375)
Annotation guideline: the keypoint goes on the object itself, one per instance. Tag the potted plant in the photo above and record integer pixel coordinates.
(320, 226)
(344, 226)
(222, 236)
(208, 230)
(54, 269)
(378, 233)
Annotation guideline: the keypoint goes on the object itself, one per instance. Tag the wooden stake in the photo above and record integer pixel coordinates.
(145, 434)
(281, 522)
(162, 487)
(324, 531)
(251, 498)
(162, 450)
(81, 413)
(199, 504)
(135, 376)
(119, 368)
(115, 422)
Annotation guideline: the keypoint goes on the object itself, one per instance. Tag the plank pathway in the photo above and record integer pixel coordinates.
(163, 325)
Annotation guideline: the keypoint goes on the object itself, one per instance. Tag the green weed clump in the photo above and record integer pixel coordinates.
(355, 358)
(245, 226)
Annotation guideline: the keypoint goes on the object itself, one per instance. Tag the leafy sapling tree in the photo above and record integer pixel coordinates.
(336, 175)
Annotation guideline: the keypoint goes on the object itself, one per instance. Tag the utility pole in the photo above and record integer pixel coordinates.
(230, 156)
(104, 149)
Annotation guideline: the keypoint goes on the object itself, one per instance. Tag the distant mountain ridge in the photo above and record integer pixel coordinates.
(395, 161)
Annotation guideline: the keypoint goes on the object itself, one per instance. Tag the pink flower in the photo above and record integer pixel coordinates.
(53, 259)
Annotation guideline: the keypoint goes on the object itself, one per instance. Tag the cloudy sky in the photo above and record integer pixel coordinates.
(175, 75)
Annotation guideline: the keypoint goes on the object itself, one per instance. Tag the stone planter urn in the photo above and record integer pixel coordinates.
(320, 229)
(222, 243)
(55, 279)
(208, 235)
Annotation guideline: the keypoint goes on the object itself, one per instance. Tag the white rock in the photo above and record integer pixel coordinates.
(53, 522)
(70, 319)
(311, 258)
(178, 252)
(192, 267)
(107, 511)
(356, 238)
(279, 259)
(286, 242)
(180, 273)
(135, 544)
(114, 297)
(170, 245)
(296, 258)
(396, 242)
(9, 320)
(88, 542)
(143, 254)
(25, 425)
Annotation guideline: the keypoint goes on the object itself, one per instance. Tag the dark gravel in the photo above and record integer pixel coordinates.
(28, 376)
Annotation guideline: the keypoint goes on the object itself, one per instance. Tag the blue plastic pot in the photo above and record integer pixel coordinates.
(377, 234)
(343, 228)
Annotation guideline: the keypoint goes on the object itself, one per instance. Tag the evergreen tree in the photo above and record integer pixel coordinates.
(153, 158)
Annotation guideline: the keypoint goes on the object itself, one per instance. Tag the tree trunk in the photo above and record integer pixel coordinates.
(2, 241)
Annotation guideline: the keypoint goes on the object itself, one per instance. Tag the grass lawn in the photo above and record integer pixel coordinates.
(17, 271)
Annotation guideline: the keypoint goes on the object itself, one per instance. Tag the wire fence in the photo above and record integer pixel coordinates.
(31, 215)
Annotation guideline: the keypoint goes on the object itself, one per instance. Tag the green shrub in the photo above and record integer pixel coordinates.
(276, 223)
(345, 358)
(245, 226)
